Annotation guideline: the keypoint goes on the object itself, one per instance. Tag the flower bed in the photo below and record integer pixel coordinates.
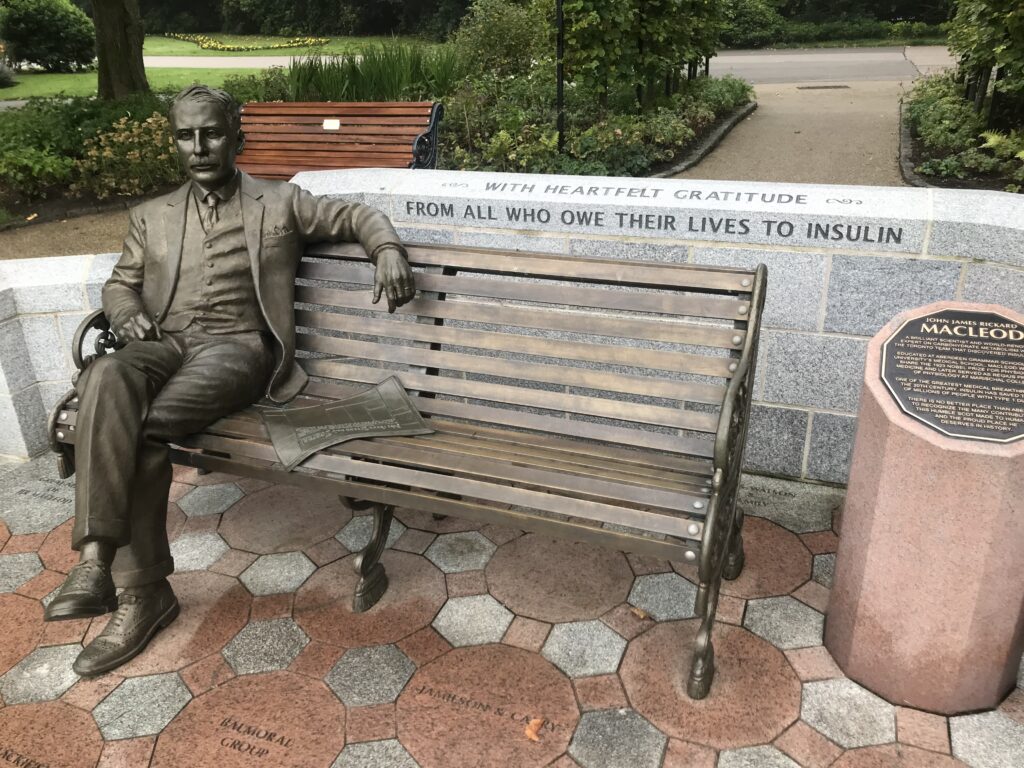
(208, 43)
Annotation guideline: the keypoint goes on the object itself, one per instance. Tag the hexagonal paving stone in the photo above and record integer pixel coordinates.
(457, 552)
(584, 648)
(473, 620)
(988, 740)
(664, 596)
(375, 754)
(373, 675)
(265, 646)
(197, 551)
(616, 738)
(277, 574)
(848, 714)
(43, 675)
(356, 534)
(15, 570)
(141, 706)
(755, 757)
(825, 568)
(209, 499)
(784, 622)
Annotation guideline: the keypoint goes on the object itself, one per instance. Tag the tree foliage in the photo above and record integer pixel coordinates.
(53, 34)
(987, 34)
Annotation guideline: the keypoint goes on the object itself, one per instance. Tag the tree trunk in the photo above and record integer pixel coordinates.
(119, 37)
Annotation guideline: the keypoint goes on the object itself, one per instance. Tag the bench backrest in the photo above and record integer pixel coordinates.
(283, 138)
(635, 354)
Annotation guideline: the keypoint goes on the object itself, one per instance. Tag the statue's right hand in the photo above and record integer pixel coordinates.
(139, 328)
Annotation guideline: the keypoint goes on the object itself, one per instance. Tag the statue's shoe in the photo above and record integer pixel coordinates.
(138, 617)
(87, 591)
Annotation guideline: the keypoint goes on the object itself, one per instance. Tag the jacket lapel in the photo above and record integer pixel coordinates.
(252, 222)
(174, 230)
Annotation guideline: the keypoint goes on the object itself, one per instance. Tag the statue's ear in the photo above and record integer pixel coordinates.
(241, 142)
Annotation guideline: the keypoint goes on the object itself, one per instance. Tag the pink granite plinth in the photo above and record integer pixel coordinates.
(926, 605)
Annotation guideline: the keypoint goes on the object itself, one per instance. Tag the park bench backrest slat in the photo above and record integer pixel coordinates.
(632, 353)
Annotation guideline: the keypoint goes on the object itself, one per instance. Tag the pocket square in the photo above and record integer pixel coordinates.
(277, 231)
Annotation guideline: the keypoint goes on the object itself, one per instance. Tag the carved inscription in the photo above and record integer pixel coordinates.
(960, 372)
(13, 757)
(252, 740)
(681, 222)
(485, 709)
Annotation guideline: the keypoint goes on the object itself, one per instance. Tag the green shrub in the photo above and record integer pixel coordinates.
(6, 76)
(53, 34)
(504, 37)
(130, 158)
(268, 85)
(751, 24)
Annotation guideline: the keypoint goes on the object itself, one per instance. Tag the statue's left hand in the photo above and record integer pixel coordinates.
(393, 279)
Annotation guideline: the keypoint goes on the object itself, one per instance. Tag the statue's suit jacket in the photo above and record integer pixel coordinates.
(279, 218)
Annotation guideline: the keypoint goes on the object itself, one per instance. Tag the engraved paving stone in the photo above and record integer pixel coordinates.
(755, 695)
(459, 552)
(567, 581)
(798, 507)
(265, 646)
(323, 607)
(373, 675)
(141, 706)
(959, 371)
(785, 622)
(31, 502)
(279, 718)
(617, 738)
(43, 675)
(473, 620)
(52, 734)
(359, 530)
(470, 708)
(283, 519)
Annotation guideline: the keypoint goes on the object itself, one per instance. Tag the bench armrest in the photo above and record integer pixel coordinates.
(106, 340)
(731, 438)
(424, 146)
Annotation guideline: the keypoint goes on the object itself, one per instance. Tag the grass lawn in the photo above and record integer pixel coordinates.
(157, 45)
(875, 42)
(84, 84)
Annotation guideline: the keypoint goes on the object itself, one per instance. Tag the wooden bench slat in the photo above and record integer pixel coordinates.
(351, 130)
(474, 412)
(582, 405)
(677, 362)
(300, 107)
(539, 318)
(545, 293)
(287, 171)
(418, 121)
(650, 520)
(420, 455)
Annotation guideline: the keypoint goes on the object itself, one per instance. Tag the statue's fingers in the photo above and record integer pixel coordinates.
(378, 287)
(393, 302)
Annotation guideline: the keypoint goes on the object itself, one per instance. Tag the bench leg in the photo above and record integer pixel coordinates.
(702, 669)
(735, 559)
(372, 580)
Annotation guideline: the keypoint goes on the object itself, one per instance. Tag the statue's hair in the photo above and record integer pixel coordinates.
(217, 96)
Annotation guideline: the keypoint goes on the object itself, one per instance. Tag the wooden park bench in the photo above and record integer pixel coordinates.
(592, 399)
(283, 138)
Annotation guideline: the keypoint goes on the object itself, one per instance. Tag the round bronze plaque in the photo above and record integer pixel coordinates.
(961, 372)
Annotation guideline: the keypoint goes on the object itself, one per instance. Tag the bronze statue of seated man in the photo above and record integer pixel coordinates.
(203, 296)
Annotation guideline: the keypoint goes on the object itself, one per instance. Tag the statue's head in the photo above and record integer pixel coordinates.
(207, 128)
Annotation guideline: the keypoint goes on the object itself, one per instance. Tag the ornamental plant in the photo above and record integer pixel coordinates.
(52, 34)
(208, 43)
(131, 158)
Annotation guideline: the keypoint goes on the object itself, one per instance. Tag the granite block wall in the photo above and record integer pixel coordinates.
(842, 261)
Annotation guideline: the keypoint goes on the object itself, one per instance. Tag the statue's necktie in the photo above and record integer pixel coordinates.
(210, 215)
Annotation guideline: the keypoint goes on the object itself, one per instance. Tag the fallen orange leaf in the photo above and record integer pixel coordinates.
(640, 613)
(32, 217)
(533, 728)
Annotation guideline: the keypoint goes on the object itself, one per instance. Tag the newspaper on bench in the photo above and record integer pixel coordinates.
(382, 410)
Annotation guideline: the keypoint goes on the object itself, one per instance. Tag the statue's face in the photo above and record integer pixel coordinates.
(206, 144)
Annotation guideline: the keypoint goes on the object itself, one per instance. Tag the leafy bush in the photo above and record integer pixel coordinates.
(131, 158)
(751, 24)
(952, 138)
(268, 85)
(53, 34)
(504, 37)
(283, 17)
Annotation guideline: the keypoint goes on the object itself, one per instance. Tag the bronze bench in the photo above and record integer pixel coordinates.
(284, 138)
(585, 398)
